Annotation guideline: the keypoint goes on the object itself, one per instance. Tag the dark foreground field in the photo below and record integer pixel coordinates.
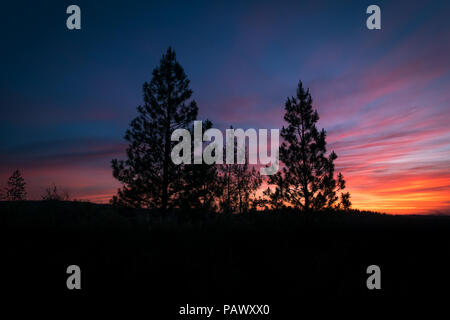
(281, 259)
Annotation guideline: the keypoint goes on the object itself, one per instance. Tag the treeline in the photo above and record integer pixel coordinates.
(307, 180)
(150, 179)
(15, 190)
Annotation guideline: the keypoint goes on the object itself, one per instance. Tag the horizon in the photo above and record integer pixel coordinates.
(382, 96)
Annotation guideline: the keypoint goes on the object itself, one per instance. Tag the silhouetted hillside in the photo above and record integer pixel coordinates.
(264, 257)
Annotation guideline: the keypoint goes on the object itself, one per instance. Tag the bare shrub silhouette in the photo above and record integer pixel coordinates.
(53, 193)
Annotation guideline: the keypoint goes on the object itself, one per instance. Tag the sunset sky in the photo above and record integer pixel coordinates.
(383, 96)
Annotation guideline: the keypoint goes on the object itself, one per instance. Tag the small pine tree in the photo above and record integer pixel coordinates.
(15, 191)
(345, 203)
(238, 184)
(149, 177)
(199, 182)
(307, 179)
(247, 181)
(229, 197)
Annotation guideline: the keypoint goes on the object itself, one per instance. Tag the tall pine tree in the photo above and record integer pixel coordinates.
(307, 180)
(149, 177)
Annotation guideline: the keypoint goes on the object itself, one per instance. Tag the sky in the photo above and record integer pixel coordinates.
(383, 96)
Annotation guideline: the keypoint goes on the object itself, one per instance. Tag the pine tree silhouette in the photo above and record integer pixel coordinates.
(307, 179)
(15, 191)
(200, 187)
(238, 183)
(149, 177)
